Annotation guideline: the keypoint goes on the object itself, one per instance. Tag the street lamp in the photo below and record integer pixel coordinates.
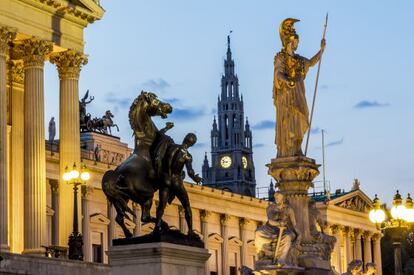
(76, 178)
(401, 216)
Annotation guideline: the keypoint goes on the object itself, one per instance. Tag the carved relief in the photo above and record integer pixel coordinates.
(355, 203)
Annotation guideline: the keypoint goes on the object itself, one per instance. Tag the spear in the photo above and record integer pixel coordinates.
(316, 87)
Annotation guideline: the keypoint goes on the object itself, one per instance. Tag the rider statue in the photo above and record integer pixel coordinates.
(82, 107)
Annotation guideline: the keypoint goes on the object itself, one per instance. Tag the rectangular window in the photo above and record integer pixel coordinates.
(233, 270)
(97, 253)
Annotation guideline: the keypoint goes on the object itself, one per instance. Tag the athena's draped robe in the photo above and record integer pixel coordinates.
(291, 108)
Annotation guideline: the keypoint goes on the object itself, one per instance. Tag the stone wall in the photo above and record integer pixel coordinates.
(36, 265)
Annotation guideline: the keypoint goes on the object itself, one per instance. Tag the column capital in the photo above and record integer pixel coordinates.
(204, 215)
(376, 237)
(180, 211)
(86, 191)
(367, 234)
(7, 35)
(16, 71)
(243, 223)
(69, 63)
(54, 185)
(33, 51)
(224, 218)
(335, 228)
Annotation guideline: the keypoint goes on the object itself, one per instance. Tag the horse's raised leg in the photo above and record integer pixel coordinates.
(120, 215)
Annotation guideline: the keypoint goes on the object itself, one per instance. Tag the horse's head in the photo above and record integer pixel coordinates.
(145, 106)
(155, 107)
(108, 114)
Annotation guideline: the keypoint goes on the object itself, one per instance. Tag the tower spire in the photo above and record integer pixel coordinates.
(228, 47)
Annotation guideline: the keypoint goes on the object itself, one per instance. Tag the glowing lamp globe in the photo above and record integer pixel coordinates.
(409, 210)
(85, 176)
(74, 174)
(377, 215)
(67, 176)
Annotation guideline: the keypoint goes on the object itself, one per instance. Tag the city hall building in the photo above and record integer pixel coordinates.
(36, 205)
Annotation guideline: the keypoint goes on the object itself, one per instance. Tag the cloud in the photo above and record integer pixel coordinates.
(258, 145)
(369, 104)
(173, 100)
(156, 85)
(335, 143)
(265, 124)
(121, 102)
(315, 130)
(200, 145)
(187, 113)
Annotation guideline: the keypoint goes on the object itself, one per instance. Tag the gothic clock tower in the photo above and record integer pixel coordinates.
(232, 166)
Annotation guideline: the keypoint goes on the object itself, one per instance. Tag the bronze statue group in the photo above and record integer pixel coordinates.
(156, 164)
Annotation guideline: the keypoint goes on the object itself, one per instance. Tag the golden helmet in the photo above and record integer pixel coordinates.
(287, 30)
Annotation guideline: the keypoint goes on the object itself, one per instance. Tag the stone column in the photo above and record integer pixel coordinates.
(87, 245)
(16, 88)
(33, 52)
(6, 36)
(68, 64)
(204, 214)
(182, 221)
(137, 220)
(243, 251)
(367, 247)
(336, 253)
(358, 247)
(225, 245)
(348, 245)
(377, 253)
(111, 225)
(54, 187)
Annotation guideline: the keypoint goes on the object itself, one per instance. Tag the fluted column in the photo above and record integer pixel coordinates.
(204, 214)
(225, 245)
(16, 88)
(377, 253)
(33, 52)
(54, 187)
(6, 36)
(348, 246)
(68, 64)
(367, 247)
(243, 250)
(87, 245)
(111, 225)
(336, 253)
(137, 219)
(358, 247)
(182, 221)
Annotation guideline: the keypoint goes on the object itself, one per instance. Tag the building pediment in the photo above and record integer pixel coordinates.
(99, 218)
(355, 201)
(235, 241)
(215, 238)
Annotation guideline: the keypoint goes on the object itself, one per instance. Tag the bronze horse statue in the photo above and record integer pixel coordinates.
(135, 179)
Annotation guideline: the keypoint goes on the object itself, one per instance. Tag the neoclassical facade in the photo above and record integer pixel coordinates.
(33, 32)
(36, 205)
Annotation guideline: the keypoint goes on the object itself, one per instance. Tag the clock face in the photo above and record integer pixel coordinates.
(244, 162)
(225, 162)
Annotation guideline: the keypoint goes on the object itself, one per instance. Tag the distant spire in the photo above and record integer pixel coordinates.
(271, 193)
(228, 47)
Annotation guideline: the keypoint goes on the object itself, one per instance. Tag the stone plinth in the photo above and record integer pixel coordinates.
(157, 259)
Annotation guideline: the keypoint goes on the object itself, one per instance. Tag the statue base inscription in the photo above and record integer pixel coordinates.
(158, 258)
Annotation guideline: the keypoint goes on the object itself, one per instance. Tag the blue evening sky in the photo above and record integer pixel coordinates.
(176, 49)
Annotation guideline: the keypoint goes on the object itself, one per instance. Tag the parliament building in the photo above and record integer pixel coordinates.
(36, 204)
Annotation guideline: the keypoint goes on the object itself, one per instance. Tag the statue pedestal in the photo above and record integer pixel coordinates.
(158, 258)
(294, 176)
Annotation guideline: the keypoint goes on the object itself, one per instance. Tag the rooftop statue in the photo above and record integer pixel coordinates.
(290, 70)
(156, 164)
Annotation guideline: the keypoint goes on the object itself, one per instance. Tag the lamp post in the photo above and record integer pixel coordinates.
(76, 178)
(401, 216)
